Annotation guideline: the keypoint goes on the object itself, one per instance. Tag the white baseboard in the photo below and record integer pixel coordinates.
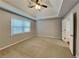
(49, 36)
(15, 43)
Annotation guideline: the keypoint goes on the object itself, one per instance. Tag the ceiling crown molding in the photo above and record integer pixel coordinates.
(50, 18)
(12, 9)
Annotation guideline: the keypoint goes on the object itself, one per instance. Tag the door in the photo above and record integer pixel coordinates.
(75, 33)
(72, 32)
(69, 30)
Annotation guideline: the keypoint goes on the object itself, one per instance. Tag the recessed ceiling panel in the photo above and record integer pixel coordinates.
(56, 8)
(52, 10)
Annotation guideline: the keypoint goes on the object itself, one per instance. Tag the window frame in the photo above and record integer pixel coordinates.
(23, 27)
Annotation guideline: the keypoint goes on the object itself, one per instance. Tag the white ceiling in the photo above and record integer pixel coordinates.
(67, 6)
(56, 8)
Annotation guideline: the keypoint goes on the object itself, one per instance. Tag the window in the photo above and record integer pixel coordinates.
(20, 26)
(27, 26)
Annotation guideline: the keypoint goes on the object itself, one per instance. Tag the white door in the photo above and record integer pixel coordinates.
(64, 29)
(69, 31)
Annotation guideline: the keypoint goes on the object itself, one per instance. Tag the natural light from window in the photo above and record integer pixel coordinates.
(20, 26)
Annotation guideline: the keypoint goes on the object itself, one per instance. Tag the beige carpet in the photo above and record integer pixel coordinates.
(38, 47)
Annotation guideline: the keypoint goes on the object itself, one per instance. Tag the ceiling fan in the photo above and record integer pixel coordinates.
(37, 4)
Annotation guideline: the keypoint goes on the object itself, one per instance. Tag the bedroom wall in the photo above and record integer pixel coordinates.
(76, 9)
(49, 28)
(5, 30)
(77, 34)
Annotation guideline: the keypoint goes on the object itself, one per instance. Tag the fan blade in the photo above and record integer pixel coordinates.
(44, 6)
(37, 1)
(31, 6)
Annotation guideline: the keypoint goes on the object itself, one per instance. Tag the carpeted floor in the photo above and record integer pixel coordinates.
(38, 47)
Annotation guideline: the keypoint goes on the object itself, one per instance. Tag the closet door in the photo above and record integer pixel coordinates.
(69, 31)
(72, 32)
(64, 30)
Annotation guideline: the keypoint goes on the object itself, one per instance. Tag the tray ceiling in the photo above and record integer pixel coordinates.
(55, 8)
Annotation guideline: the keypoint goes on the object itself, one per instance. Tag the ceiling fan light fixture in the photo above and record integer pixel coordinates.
(38, 7)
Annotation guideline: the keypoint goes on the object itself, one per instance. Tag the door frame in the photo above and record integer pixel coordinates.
(74, 33)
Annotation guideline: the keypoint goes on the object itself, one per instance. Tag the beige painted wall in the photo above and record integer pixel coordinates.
(76, 9)
(49, 28)
(77, 33)
(5, 29)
